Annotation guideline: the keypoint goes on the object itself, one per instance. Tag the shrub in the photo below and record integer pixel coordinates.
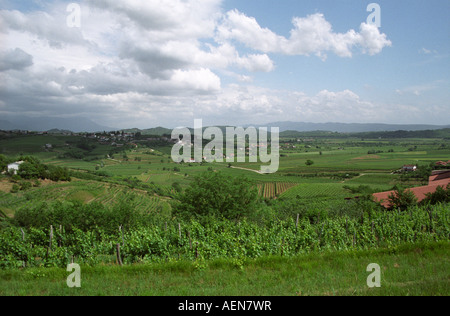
(309, 162)
(216, 195)
(402, 199)
(440, 196)
(15, 188)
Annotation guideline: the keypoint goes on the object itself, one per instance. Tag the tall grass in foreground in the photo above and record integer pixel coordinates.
(419, 269)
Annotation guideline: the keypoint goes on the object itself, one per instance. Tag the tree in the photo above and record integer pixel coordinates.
(216, 195)
(3, 163)
(309, 162)
(402, 199)
(177, 187)
(28, 170)
(440, 196)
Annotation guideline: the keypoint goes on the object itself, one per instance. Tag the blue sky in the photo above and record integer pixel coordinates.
(411, 25)
(147, 63)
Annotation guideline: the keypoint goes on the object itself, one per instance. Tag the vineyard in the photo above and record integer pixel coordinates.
(168, 241)
(272, 190)
(316, 190)
(87, 192)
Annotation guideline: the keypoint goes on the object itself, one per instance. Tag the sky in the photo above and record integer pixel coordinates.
(148, 63)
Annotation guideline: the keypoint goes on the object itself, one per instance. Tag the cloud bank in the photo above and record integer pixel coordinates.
(150, 62)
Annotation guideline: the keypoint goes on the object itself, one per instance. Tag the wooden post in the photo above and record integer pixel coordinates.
(60, 236)
(119, 259)
(321, 232)
(49, 248)
(51, 237)
(121, 232)
(190, 240)
(23, 239)
(431, 220)
(179, 230)
(196, 250)
(296, 223)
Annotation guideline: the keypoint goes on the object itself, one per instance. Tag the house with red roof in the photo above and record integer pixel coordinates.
(439, 178)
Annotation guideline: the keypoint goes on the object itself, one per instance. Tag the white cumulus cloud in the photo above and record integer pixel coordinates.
(310, 35)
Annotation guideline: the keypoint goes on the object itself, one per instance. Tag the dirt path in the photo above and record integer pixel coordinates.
(259, 172)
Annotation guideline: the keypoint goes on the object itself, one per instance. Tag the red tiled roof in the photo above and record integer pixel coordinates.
(419, 192)
(438, 179)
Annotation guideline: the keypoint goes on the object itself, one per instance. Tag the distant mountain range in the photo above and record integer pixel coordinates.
(351, 128)
(43, 124)
(86, 125)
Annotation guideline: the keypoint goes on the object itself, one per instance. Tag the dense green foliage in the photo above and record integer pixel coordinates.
(3, 163)
(442, 195)
(402, 199)
(217, 195)
(191, 240)
(32, 168)
(85, 217)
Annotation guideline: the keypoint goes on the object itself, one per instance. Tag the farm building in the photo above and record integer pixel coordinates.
(409, 168)
(437, 179)
(14, 166)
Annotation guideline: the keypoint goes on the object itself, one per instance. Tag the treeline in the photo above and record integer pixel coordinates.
(440, 133)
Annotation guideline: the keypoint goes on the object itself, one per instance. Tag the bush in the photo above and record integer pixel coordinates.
(15, 188)
(177, 187)
(25, 185)
(309, 162)
(85, 217)
(216, 195)
(3, 163)
(402, 199)
(440, 196)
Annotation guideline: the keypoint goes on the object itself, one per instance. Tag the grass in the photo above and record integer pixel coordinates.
(415, 270)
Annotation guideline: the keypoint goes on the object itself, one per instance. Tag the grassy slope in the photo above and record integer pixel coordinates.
(78, 190)
(407, 270)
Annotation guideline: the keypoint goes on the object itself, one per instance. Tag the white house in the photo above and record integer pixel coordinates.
(409, 168)
(14, 166)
